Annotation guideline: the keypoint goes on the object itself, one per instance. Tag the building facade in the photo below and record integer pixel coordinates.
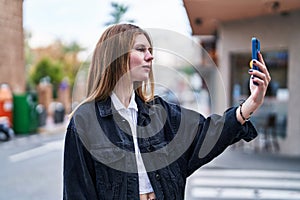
(12, 65)
(280, 45)
(279, 37)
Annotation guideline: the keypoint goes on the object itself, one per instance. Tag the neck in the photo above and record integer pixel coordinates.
(124, 94)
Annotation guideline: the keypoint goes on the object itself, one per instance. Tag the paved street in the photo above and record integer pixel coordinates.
(241, 184)
(31, 168)
(237, 175)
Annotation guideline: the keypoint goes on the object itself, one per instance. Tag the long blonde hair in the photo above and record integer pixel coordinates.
(110, 62)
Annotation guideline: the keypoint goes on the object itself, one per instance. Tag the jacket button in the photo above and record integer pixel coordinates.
(149, 149)
(157, 176)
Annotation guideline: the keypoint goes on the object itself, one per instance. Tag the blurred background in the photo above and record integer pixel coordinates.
(202, 53)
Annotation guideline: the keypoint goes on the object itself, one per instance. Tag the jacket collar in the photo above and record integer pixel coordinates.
(107, 108)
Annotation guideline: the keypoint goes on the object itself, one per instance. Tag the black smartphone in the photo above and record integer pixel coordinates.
(255, 50)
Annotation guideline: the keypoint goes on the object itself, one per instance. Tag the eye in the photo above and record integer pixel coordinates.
(141, 49)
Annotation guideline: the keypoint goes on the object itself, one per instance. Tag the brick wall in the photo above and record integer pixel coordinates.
(12, 65)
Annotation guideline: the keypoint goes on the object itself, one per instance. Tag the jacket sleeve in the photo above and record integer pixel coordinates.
(78, 168)
(214, 135)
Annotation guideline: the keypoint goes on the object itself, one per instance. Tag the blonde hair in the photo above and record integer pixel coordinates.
(110, 62)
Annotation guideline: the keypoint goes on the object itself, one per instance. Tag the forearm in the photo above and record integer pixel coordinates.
(246, 109)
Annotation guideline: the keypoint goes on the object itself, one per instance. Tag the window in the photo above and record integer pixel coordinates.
(276, 100)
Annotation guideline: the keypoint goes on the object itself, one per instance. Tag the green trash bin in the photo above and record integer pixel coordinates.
(24, 114)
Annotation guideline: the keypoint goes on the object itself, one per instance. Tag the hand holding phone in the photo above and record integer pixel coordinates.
(255, 50)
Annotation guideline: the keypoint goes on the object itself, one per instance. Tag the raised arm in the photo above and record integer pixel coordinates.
(262, 79)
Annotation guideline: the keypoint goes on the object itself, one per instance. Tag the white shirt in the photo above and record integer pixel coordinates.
(130, 114)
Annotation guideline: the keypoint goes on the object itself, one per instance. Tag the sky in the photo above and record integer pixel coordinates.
(83, 20)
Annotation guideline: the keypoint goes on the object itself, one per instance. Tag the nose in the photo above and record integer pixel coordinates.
(148, 56)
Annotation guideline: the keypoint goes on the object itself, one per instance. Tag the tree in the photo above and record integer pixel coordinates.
(66, 54)
(118, 13)
(48, 68)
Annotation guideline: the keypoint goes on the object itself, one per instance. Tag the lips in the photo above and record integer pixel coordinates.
(146, 66)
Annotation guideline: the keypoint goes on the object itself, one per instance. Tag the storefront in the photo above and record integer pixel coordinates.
(280, 45)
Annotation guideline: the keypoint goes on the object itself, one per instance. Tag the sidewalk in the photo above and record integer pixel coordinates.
(237, 158)
(238, 175)
(51, 127)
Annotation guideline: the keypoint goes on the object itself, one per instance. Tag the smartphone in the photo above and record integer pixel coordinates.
(255, 50)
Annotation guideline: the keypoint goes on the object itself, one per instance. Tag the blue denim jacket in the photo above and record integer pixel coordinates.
(99, 159)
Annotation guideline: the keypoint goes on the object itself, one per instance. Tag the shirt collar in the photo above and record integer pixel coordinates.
(119, 106)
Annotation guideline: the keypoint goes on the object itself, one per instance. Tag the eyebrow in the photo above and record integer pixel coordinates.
(141, 44)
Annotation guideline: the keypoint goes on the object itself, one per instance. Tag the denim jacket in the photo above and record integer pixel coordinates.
(99, 159)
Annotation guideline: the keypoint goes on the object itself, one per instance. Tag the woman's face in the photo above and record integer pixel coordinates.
(140, 59)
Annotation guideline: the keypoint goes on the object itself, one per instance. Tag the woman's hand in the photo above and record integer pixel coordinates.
(259, 82)
(262, 79)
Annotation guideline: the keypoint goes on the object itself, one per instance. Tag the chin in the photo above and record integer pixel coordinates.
(141, 78)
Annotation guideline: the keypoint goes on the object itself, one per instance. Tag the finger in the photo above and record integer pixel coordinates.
(259, 75)
(261, 59)
(263, 69)
(260, 84)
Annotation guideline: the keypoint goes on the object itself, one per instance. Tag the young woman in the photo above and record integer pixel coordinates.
(125, 143)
